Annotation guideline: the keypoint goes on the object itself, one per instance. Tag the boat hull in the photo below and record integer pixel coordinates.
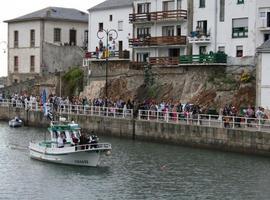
(67, 156)
(14, 124)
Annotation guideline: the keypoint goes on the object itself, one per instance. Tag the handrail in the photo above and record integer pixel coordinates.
(188, 118)
(159, 40)
(234, 122)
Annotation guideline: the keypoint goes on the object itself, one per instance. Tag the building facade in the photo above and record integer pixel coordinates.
(160, 30)
(236, 27)
(28, 35)
(109, 20)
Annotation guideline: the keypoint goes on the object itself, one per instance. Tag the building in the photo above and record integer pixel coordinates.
(160, 30)
(262, 75)
(236, 27)
(109, 20)
(45, 41)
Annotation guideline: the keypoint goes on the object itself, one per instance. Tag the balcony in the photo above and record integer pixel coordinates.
(171, 15)
(158, 41)
(204, 58)
(197, 37)
(163, 60)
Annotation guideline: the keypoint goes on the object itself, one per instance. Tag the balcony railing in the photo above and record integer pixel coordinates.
(158, 16)
(163, 60)
(157, 41)
(204, 58)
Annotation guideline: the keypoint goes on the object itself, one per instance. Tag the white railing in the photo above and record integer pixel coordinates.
(256, 124)
(96, 111)
(72, 109)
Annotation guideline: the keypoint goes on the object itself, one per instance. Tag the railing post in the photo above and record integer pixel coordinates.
(77, 109)
(139, 115)
(107, 111)
(246, 124)
(177, 117)
(157, 116)
(187, 118)
(259, 126)
(209, 120)
(198, 122)
(167, 116)
(123, 112)
(221, 122)
(99, 111)
(114, 112)
(233, 126)
(148, 113)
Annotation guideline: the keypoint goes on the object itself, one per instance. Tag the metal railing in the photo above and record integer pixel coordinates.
(163, 61)
(234, 122)
(204, 58)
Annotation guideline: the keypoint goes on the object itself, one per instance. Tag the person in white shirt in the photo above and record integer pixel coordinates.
(60, 141)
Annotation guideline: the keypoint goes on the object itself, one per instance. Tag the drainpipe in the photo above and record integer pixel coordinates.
(190, 10)
(216, 16)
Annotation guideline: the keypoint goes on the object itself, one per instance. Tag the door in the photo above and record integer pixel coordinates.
(72, 37)
(174, 52)
(268, 19)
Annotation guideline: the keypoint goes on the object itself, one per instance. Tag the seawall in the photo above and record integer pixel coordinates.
(243, 141)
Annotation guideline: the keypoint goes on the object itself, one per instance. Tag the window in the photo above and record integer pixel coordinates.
(202, 27)
(179, 4)
(240, 28)
(222, 10)
(142, 57)
(32, 38)
(143, 8)
(266, 37)
(16, 39)
(240, 1)
(143, 32)
(202, 4)
(120, 25)
(86, 37)
(168, 31)
(239, 51)
(221, 49)
(32, 63)
(100, 26)
(202, 50)
(16, 64)
(57, 35)
(111, 18)
(168, 5)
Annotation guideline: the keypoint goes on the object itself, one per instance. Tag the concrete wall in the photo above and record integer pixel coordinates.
(194, 136)
(60, 58)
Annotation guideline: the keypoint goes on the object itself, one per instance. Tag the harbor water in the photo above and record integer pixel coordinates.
(134, 170)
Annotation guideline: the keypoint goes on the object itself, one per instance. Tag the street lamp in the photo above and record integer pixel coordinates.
(113, 36)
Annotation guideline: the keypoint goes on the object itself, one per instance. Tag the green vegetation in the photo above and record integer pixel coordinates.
(73, 82)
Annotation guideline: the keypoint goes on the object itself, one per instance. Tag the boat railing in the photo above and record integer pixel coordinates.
(93, 146)
(221, 121)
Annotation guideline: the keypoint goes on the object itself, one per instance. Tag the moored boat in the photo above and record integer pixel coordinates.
(16, 122)
(74, 150)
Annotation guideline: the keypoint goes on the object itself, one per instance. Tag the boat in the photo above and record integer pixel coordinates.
(76, 149)
(16, 122)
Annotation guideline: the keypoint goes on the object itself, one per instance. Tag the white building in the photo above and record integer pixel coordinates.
(236, 27)
(110, 16)
(28, 35)
(262, 76)
(159, 30)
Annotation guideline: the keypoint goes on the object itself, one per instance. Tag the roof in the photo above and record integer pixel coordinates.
(54, 13)
(112, 4)
(265, 47)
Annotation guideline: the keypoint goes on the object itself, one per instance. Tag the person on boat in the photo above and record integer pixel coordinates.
(60, 141)
(75, 140)
(83, 139)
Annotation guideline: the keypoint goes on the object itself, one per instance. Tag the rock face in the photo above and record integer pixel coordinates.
(208, 86)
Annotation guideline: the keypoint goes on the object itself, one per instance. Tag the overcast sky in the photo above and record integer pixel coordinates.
(16, 8)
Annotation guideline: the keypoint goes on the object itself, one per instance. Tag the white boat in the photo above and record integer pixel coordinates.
(86, 154)
(16, 122)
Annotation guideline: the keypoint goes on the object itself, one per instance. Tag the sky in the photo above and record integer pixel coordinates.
(15, 8)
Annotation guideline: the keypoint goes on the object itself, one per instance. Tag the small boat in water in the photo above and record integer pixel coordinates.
(69, 146)
(16, 122)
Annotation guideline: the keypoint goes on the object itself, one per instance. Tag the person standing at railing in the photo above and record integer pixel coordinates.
(249, 114)
(97, 52)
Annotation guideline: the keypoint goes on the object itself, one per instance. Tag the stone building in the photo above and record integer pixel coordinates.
(45, 41)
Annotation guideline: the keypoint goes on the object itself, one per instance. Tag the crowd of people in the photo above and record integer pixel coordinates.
(170, 107)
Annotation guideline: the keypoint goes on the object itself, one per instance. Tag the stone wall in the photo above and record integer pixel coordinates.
(244, 141)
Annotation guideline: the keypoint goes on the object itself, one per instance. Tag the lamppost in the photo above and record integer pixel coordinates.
(112, 33)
